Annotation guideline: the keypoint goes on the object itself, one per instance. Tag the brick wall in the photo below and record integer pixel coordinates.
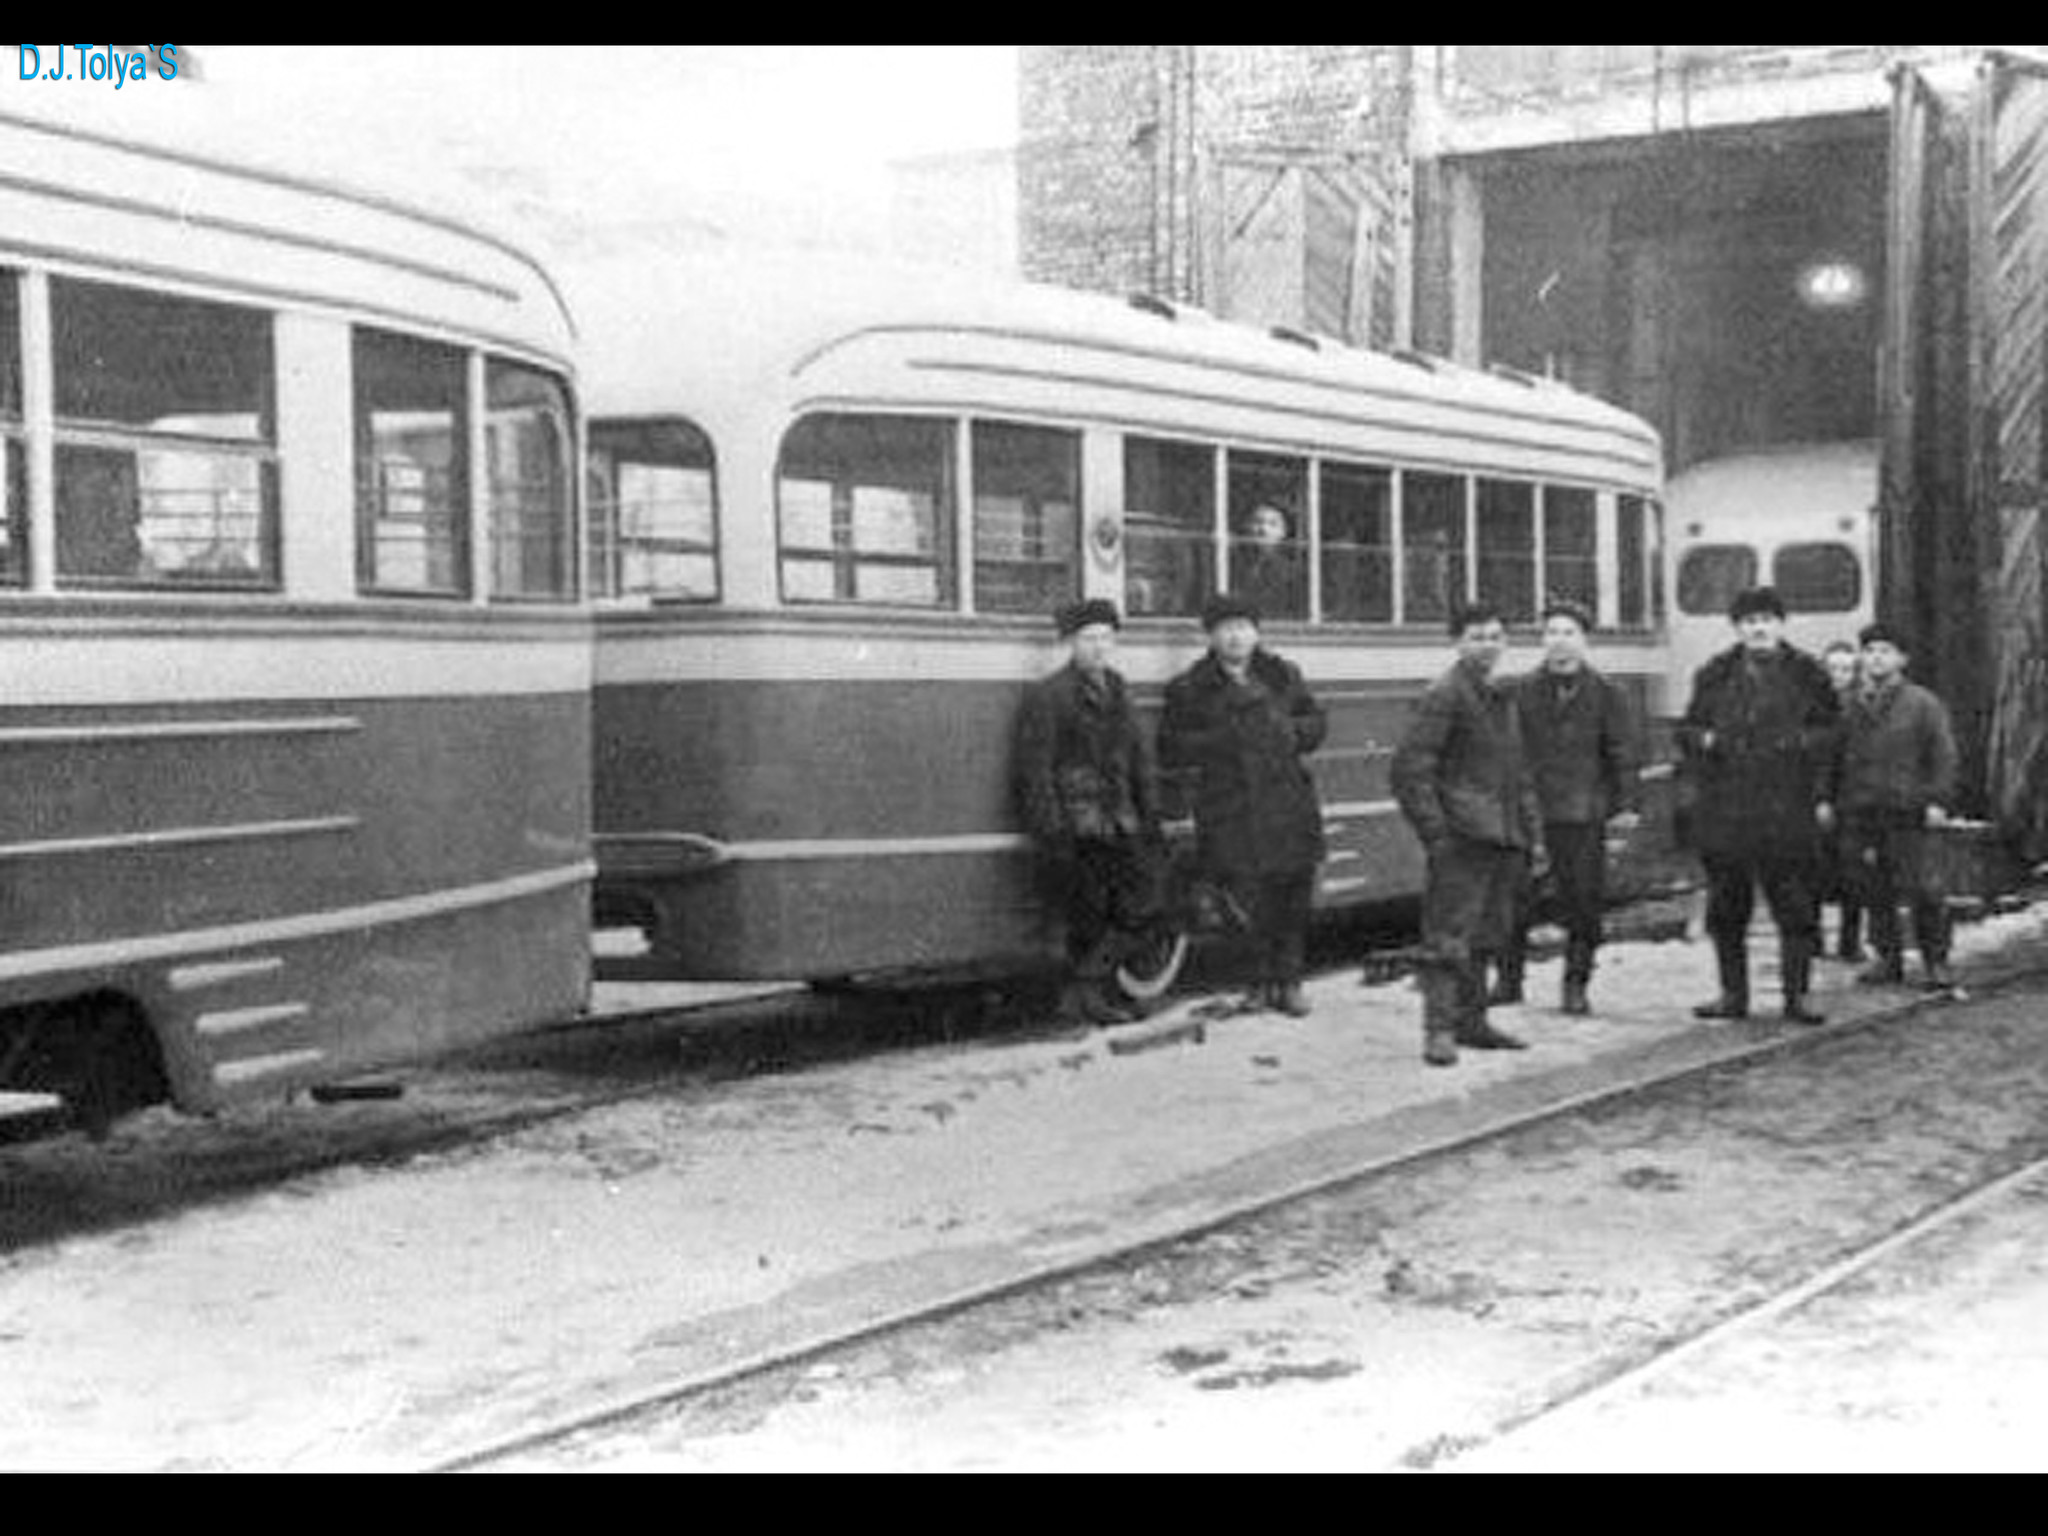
(1110, 138)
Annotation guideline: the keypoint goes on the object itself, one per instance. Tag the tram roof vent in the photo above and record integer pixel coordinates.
(1416, 359)
(1152, 304)
(1292, 337)
(1514, 375)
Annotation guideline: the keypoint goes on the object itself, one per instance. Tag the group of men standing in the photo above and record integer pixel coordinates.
(1506, 782)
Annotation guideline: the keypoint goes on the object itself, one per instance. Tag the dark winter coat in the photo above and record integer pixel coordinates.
(1084, 769)
(1898, 752)
(1460, 769)
(1256, 812)
(1758, 747)
(1578, 736)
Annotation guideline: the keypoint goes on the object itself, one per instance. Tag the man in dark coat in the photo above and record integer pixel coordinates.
(1462, 784)
(1243, 719)
(1087, 789)
(1758, 745)
(1579, 736)
(1898, 774)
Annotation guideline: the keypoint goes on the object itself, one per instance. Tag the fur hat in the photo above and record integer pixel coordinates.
(1756, 600)
(1229, 605)
(1090, 610)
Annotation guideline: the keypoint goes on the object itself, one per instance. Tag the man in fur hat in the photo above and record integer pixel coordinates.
(1087, 791)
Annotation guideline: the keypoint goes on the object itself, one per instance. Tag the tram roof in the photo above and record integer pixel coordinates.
(189, 209)
(746, 317)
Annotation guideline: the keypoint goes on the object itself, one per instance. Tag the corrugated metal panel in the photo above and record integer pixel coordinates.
(2016, 412)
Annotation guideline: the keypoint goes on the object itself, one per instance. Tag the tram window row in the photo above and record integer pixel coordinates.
(866, 514)
(168, 471)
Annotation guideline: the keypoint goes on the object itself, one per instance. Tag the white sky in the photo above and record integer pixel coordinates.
(582, 147)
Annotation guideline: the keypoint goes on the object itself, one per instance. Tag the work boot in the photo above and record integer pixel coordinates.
(1440, 986)
(1288, 998)
(1890, 971)
(1939, 977)
(1796, 961)
(1482, 1036)
(1732, 960)
(1573, 1000)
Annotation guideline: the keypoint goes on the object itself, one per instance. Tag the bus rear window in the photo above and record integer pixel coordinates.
(1711, 574)
(866, 508)
(1817, 578)
(165, 462)
(1027, 518)
(653, 511)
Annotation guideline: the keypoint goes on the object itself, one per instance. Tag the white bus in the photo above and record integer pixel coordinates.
(1801, 519)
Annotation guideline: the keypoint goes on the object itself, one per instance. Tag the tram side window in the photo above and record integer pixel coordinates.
(13, 450)
(1631, 555)
(1268, 539)
(653, 511)
(1817, 578)
(412, 465)
(1169, 526)
(1358, 543)
(529, 450)
(1711, 574)
(1507, 548)
(866, 506)
(1571, 566)
(166, 463)
(1027, 517)
(1432, 545)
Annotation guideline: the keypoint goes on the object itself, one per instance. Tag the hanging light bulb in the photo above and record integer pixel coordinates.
(1832, 284)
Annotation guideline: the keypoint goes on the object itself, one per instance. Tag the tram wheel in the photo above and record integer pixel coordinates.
(1150, 971)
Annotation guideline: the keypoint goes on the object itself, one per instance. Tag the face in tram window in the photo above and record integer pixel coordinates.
(1268, 526)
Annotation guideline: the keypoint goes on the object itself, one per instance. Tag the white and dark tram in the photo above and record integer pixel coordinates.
(294, 726)
(831, 510)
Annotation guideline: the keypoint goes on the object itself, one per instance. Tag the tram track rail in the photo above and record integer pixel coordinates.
(1615, 1381)
(595, 1417)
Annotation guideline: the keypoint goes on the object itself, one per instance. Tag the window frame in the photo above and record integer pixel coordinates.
(1792, 594)
(566, 553)
(844, 557)
(75, 435)
(461, 471)
(605, 590)
(1074, 555)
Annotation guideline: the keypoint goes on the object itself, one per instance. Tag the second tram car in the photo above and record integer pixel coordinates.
(833, 508)
(296, 727)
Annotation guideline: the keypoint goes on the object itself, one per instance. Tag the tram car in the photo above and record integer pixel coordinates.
(1800, 518)
(295, 729)
(832, 509)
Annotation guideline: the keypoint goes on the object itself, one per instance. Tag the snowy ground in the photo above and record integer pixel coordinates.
(371, 1316)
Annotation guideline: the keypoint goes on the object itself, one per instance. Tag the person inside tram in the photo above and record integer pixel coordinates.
(1267, 568)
